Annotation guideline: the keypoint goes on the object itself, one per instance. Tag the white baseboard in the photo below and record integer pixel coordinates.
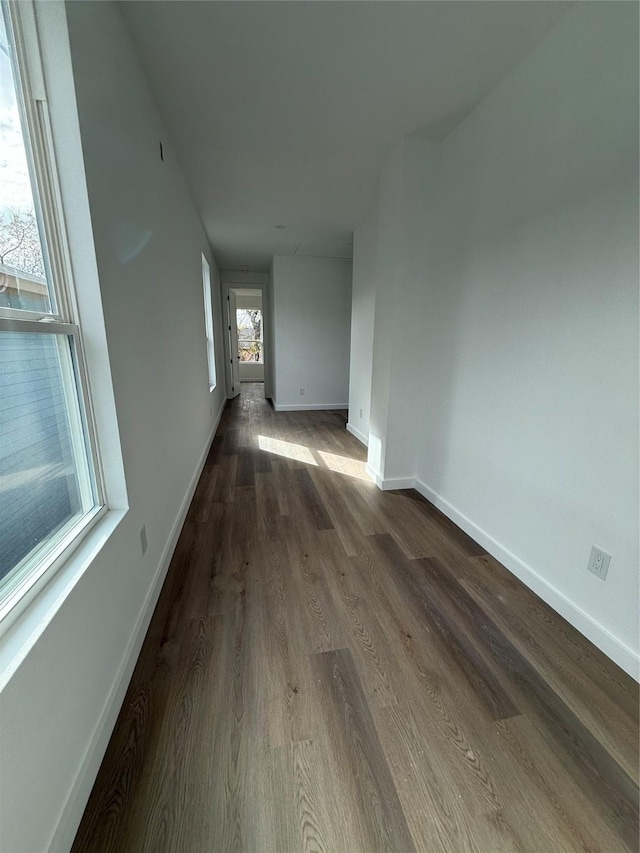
(377, 479)
(614, 648)
(75, 805)
(309, 407)
(203, 458)
(391, 483)
(359, 435)
(618, 651)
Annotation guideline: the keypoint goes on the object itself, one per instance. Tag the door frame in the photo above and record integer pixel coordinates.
(232, 340)
(266, 339)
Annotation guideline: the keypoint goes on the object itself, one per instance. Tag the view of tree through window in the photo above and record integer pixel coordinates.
(249, 334)
(22, 273)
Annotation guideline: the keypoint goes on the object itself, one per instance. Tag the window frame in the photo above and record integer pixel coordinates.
(208, 322)
(41, 563)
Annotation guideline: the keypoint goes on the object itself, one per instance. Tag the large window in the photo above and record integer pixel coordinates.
(250, 343)
(49, 484)
(208, 320)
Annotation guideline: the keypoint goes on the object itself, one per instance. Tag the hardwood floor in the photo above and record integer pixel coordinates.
(334, 668)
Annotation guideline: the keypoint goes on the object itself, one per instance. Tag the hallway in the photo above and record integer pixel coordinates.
(335, 668)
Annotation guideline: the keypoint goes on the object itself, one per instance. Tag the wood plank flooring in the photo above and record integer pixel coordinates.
(334, 669)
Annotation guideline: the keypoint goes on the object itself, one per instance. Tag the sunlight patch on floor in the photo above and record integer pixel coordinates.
(288, 449)
(310, 456)
(343, 465)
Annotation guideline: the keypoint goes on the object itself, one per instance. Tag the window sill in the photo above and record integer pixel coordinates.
(26, 623)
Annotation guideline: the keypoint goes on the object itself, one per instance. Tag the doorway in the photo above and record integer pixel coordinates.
(246, 330)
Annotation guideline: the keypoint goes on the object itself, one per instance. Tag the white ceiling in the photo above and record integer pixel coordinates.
(281, 112)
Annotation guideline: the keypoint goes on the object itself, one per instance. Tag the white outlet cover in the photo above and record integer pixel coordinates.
(599, 562)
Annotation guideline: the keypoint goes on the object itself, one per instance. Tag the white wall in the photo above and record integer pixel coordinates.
(529, 295)
(403, 276)
(365, 241)
(238, 278)
(312, 318)
(403, 307)
(251, 371)
(65, 678)
(538, 435)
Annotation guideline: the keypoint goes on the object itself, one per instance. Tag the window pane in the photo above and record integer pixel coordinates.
(45, 481)
(249, 334)
(250, 350)
(249, 324)
(208, 320)
(23, 279)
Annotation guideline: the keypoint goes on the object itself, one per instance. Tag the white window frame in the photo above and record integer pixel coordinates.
(208, 321)
(62, 322)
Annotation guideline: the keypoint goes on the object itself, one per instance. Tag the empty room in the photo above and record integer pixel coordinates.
(319, 426)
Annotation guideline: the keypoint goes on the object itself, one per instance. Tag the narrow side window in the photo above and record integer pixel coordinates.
(208, 319)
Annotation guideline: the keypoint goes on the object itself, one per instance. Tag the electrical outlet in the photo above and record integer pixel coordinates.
(599, 562)
(302, 392)
(143, 539)
(361, 413)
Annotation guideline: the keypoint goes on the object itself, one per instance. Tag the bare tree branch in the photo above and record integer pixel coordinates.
(20, 245)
